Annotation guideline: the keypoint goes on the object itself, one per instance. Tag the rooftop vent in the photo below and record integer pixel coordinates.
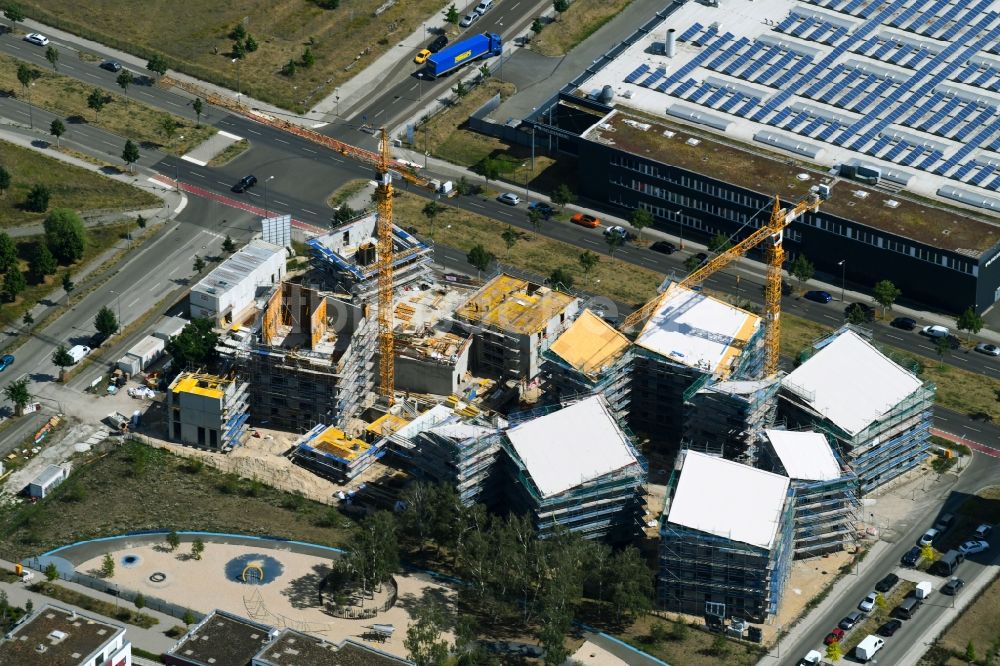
(892, 203)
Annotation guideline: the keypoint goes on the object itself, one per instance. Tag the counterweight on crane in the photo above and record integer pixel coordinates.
(772, 234)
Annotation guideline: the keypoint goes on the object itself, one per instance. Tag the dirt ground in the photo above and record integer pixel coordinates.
(808, 578)
(594, 655)
(979, 624)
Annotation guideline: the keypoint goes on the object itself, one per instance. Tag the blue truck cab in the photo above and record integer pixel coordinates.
(478, 46)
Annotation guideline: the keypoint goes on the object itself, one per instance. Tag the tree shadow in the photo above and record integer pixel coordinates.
(431, 595)
(111, 171)
(77, 119)
(42, 377)
(303, 592)
(40, 143)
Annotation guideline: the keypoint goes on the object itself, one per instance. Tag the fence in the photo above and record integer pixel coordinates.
(350, 613)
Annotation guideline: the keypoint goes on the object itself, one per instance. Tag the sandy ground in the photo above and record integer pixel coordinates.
(807, 579)
(594, 655)
(289, 600)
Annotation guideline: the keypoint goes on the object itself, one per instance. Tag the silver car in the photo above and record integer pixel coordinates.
(469, 19)
(988, 349)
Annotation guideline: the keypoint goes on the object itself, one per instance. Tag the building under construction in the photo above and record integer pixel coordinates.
(878, 412)
(309, 361)
(826, 490)
(460, 451)
(334, 455)
(576, 468)
(725, 539)
(513, 322)
(726, 418)
(207, 411)
(346, 258)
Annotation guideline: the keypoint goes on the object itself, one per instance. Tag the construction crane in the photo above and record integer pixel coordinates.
(384, 262)
(772, 234)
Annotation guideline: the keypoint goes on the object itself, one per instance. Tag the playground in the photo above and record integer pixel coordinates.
(267, 581)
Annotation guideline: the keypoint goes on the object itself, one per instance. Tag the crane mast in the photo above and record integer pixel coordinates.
(383, 228)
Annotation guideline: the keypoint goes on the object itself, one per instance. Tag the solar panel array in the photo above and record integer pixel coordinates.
(910, 112)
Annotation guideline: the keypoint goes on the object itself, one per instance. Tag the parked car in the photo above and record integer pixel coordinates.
(439, 43)
(585, 220)
(864, 312)
(935, 331)
(701, 257)
(953, 586)
(469, 19)
(422, 56)
(509, 198)
(911, 557)
(973, 547)
(246, 182)
(834, 636)
(5, 361)
(982, 531)
(887, 583)
(868, 603)
(663, 247)
(944, 522)
(618, 230)
(818, 296)
(543, 208)
(37, 38)
(851, 619)
(112, 66)
(928, 537)
(889, 628)
(988, 349)
(904, 323)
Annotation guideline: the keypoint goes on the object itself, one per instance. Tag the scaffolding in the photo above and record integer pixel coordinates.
(330, 453)
(461, 452)
(726, 418)
(207, 411)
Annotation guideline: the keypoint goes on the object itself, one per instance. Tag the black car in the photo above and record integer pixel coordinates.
(112, 66)
(905, 323)
(886, 583)
(953, 586)
(911, 557)
(701, 257)
(860, 312)
(851, 619)
(664, 247)
(889, 628)
(439, 43)
(246, 182)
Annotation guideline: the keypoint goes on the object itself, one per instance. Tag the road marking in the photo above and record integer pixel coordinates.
(477, 205)
(310, 150)
(195, 173)
(254, 132)
(282, 141)
(221, 183)
(514, 6)
(108, 143)
(894, 337)
(188, 158)
(972, 429)
(280, 203)
(132, 304)
(230, 136)
(830, 317)
(16, 48)
(592, 242)
(963, 360)
(173, 103)
(93, 76)
(941, 418)
(145, 94)
(310, 211)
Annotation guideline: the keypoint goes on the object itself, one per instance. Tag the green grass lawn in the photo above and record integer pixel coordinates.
(580, 21)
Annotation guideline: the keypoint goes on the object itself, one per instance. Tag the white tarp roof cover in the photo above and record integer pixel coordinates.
(729, 499)
(571, 446)
(805, 455)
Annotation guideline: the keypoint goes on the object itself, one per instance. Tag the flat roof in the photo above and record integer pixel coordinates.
(515, 305)
(729, 500)
(238, 267)
(210, 386)
(850, 382)
(69, 638)
(907, 86)
(571, 446)
(697, 330)
(292, 648)
(335, 442)
(805, 455)
(223, 639)
(48, 475)
(590, 344)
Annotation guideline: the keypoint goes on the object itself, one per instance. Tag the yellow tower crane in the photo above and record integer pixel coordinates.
(772, 234)
(383, 228)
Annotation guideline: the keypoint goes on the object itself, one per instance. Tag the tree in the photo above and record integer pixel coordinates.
(510, 238)
(719, 646)
(173, 541)
(630, 584)
(38, 198)
(125, 79)
(96, 100)
(970, 652)
(41, 263)
(8, 252)
(308, 59)
(51, 572)
(614, 242)
(238, 33)
(195, 345)
(460, 90)
(552, 636)
(423, 637)
(480, 257)
(692, 263)
(288, 69)
(4, 181)
(834, 652)
(641, 218)
(537, 26)
(25, 75)
(65, 235)
(28, 319)
(52, 55)
(560, 5)
(107, 566)
(941, 346)
(199, 264)
(157, 64)
(106, 322)
(562, 195)
(17, 393)
(928, 553)
(130, 154)
(484, 71)
(881, 603)
(188, 618)
(490, 168)
(802, 269)
(28, 607)
(560, 278)
(139, 601)
(588, 260)
(228, 246)
(57, 129)
(719, 243)
(14, 14)
(431, 210)
(885, 294)
(969, 321)
(535, 219)
(13, 283)
(250, 44)
(168, 126)
(197, 548)
(856, 314)
(373, 552)
(198, 107)
(67, 282)
(451, 15)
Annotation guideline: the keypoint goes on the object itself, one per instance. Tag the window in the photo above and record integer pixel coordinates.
(201, 436)
(213, 438)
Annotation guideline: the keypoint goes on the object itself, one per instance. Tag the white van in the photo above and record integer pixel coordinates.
(867, 648)
(77, 352)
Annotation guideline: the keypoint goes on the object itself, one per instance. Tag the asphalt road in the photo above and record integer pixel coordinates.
(983, 471)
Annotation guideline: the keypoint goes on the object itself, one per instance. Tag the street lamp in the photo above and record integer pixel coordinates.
(680, 225)
(336, 94)
(237, 61)
(118, 301)
(266, 213)
(500, 31)
(843, 275)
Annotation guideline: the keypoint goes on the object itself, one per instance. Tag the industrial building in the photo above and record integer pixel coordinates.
(309, 359)
(575, 467)
(691, 339)
(332, 454)
(227, 294)
(826, 490)
(346, 258)
(591, 356)
(56, 636)
(724, 553)
(726, 418)
(513, 321)
(878, 413)
(207, 411)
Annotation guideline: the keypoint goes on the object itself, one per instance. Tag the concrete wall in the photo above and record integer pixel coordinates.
(426, 376)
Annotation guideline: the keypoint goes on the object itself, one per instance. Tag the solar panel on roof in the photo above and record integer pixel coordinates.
(639, 71)
(975, 122)
(964, 170)
(882, 50)
(993, 184)
(683, 88)
(925, 16)
(690, 32)
(728, 105)
(939, 115)
(942, 20)
(909, 157)
(983, 174)
(984, 77)
(714, 98)
(930, 160)
(702, 90)
(654, 77)
(797, 120)
(777, 120)
(901, 53)
(817, 34)
(917, 58)
(964, 20)
(802, 27)
(787, 23)
(812, 126)
(828, 131)
(882, 142)
(896, 150)
(745, 109)
(962, 114)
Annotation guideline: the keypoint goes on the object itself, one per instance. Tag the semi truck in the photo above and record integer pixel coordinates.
(448, 59)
